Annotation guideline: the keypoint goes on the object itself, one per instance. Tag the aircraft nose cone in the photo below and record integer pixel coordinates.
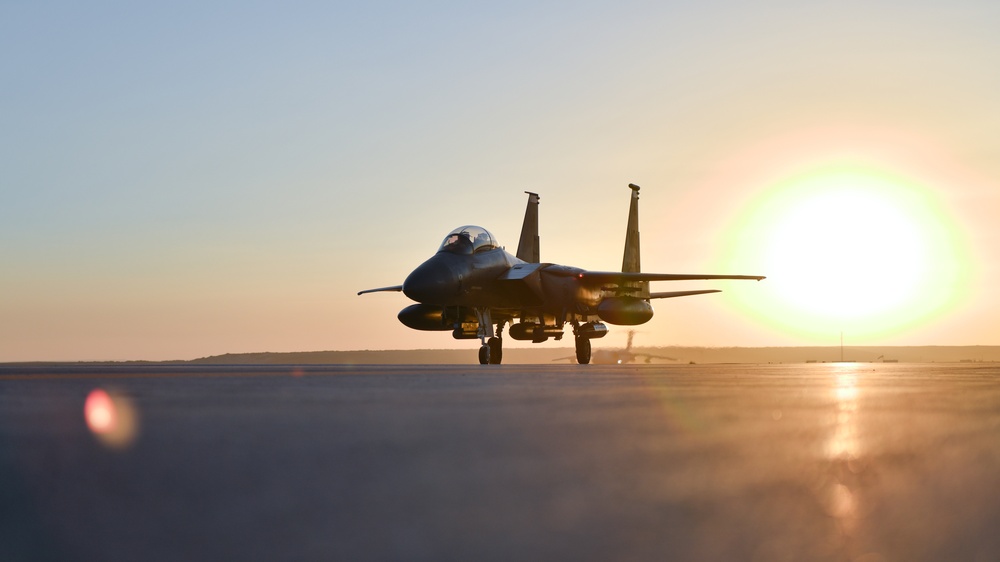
(433, 282)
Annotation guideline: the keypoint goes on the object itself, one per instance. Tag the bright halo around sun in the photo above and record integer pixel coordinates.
(848, 249)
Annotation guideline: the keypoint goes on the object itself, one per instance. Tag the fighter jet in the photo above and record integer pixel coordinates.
(472, 285)
(619, 356)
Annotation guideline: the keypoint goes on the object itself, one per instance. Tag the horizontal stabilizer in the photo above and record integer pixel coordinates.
(672, 294)
(394, 288)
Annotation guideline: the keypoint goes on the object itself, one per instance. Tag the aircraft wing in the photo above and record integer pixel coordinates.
(600, 277)
(649, 358)
(395, 288)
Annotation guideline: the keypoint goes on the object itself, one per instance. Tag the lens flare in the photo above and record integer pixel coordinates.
(99, 411)
(111, 417)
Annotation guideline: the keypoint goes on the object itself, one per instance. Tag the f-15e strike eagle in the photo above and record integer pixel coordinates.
(472, 284)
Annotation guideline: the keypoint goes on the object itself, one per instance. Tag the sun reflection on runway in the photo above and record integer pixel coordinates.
(844, 441)
(111, 417)
(840, 494)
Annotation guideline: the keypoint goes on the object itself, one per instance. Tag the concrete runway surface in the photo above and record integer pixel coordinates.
(852, 461)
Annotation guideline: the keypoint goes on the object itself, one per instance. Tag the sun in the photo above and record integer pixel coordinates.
(848, 248)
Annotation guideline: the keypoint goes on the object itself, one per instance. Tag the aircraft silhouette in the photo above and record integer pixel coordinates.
(472, 284)
(619, 356)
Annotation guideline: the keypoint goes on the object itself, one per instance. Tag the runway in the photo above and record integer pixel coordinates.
(847, 461)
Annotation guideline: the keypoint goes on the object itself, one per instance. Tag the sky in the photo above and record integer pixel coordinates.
(183, 179)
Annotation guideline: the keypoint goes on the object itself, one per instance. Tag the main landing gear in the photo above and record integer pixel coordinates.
(582, 350)
(583, 334)
(491, 352)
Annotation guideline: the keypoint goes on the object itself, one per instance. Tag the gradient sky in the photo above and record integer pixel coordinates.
(191, 179)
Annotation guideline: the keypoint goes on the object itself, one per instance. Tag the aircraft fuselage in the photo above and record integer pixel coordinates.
(450, 279)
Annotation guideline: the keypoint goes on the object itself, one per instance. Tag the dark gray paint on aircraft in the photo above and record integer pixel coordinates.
(472, 284)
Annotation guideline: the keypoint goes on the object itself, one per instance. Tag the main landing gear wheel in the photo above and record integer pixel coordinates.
(496, 350)
(484, 354)
(582, 350)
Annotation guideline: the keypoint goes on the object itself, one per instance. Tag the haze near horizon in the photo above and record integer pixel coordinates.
(189, 180)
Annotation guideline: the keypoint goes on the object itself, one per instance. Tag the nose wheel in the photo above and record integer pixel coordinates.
(491, 352)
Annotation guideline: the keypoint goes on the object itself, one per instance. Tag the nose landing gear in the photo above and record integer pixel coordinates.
(491, 352)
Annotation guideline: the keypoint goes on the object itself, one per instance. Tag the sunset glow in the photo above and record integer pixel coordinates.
(849, 247)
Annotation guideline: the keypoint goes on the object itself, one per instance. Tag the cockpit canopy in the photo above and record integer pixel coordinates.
(468, 239)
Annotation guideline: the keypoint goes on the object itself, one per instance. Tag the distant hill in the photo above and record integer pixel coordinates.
(919, 354)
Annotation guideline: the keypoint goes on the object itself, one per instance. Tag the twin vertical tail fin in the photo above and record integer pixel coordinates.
(630, 261)
(527, 247)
